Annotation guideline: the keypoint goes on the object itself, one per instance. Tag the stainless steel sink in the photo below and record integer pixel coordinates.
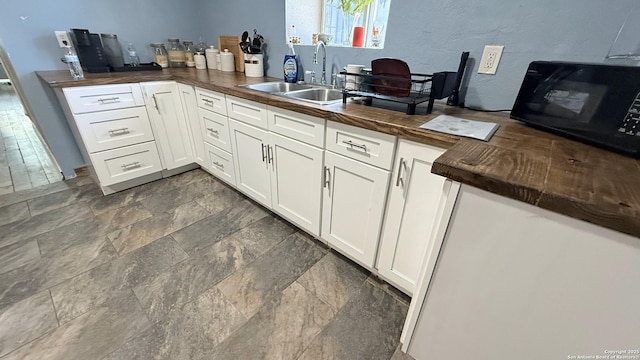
(322, 96)
(311, 93)
(276, 87)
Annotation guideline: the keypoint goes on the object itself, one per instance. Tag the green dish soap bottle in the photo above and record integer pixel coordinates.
(291, 66)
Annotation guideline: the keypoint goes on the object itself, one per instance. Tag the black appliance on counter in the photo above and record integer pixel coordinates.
(594, 103)
(90, 52)
(93, 57)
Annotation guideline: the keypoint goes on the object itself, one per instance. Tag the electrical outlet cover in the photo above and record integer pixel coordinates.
(62, 36)
(490, 59)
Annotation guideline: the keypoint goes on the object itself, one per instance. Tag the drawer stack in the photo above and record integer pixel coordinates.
(115, 129)
(214, 127)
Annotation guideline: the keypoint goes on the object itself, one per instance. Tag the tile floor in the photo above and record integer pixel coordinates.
(24, 162)
(181, 268)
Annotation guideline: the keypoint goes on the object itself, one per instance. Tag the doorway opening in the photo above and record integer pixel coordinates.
(25, 158)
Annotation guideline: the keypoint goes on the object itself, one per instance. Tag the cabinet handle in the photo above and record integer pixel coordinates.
(130, 166)
(401, 166)
(352, 145)
(264, 156)
(208, 101)
(218, 164)
(213, 130)
(118, 132)
(155, 102)
(327, 177)
(110, 100)
(270, 154)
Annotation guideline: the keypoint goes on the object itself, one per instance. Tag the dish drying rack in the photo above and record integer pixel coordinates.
(423, 87)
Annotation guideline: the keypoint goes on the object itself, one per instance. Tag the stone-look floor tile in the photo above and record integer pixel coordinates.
(36, 225)
(334, 279)
(214, 228)
(25, 195)
(160, 202)
(113, 201)
(220, 200)
(90, 336)
(145, 231)
(63, 198)
(52, 269)
(399, 355)
(18, 254)
(13, 213)
(188, 279)
(25, 321)
(254, 285)
(189, 332)
(367, 327)
(73, 234)
(263, 234)
(89, 289)
(282, 329)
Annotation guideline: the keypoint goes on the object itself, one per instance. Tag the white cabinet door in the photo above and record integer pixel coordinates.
(251, 161)
(296, 181)
(190, 109)
(169, 123)
(414, 212)
(353, 206)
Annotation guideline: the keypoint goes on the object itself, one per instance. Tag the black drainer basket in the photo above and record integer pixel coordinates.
(424, 87)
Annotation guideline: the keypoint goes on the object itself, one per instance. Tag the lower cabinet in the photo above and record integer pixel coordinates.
(169, 123)
(219, 163)
(353, 206)
(280, 173)
(190, 110)
(415, 211)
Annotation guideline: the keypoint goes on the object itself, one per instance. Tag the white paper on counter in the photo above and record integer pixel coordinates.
(462, 127)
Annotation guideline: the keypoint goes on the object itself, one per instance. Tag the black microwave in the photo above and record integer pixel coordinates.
(593, 103)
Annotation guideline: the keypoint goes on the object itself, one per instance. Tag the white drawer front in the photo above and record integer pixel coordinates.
(113, 129)
(250, 112)
(365, 145)
(301, 127)
(103, 97)
(122, 164)
(215, 129)
(211, 100)
(220, 164)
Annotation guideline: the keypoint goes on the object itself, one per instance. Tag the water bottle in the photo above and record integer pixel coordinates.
(74, 64)
(134, 60)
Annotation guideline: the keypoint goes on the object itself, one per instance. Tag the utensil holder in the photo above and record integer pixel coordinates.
(253, 65)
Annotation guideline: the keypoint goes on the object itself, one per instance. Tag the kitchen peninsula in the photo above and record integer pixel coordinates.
(522, 266)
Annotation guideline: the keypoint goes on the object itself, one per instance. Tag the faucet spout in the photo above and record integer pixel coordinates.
(323, 77)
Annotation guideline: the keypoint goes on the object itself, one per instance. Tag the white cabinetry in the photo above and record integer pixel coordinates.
(112, 127)
(278, 171)
(169, 123)
(213, 128)
(415, 211)
(355, 191)
(190, 109)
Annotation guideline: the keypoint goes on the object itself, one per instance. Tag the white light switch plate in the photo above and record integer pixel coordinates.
(490, 59)
(62, 36)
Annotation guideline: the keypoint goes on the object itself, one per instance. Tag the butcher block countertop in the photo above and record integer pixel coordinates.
(519, 162)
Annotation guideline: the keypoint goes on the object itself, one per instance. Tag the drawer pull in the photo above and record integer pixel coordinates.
(208, 101)
(110, 100)
(118, 132)
(131, 166)
(214, 131)
(218, 164)
(352, 145)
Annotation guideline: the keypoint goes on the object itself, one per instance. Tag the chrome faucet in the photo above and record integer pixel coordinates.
(323, 77)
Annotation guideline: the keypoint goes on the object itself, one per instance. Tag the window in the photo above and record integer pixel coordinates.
(325, 18)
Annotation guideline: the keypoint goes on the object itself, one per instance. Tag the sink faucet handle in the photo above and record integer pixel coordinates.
(313, 75)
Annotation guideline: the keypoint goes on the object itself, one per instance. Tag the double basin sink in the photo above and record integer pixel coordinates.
(316, 94)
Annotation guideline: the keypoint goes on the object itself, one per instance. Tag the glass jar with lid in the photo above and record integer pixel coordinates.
(189, 50)
(160, 56)
(176, 53)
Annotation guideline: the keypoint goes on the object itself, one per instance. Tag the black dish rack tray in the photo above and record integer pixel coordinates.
(423, 87)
